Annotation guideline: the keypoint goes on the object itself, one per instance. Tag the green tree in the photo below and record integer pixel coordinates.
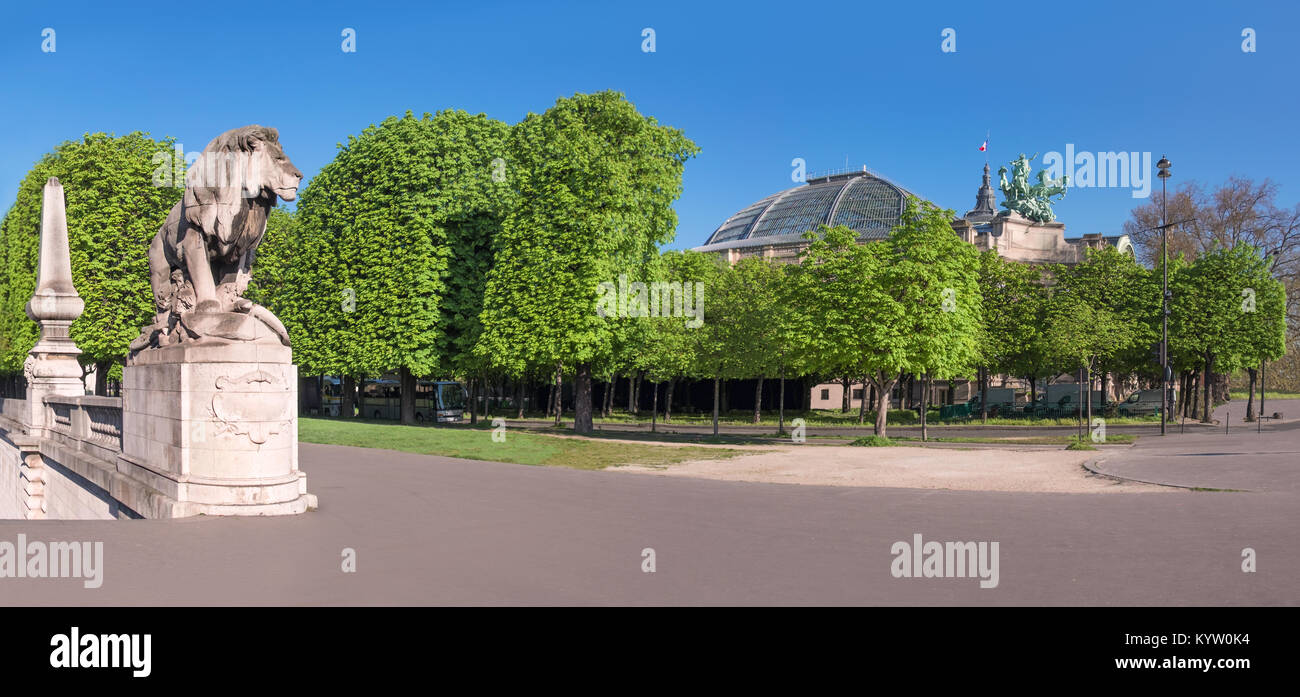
(1080, 334)
(664, 347)
(1014, 302)
(934, 276)
(595, 181)
(843, 318)
(116, 201)
(1115, 281)
(1264, 325)
(1215, 314)
(755, 327)
(396, 233)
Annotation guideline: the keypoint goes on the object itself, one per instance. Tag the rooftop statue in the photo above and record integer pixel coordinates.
(1032, 201)
(200, 260)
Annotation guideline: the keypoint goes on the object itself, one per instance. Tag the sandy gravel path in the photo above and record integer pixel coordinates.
(1058, 471)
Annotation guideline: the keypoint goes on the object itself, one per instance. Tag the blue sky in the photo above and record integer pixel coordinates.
(754, 84)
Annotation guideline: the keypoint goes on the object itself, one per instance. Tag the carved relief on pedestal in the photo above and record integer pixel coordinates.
(257, 404)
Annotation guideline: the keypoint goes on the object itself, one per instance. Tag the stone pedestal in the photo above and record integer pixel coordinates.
(213, 424)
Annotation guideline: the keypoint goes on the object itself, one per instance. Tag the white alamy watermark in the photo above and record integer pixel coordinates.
(1098, 433)
(77, 650)
(209, 170)
(798, 170)
(58, 559)
(654, 299)
(945, 560)
(1113, 170)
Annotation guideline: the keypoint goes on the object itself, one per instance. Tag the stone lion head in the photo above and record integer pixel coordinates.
(233, 185)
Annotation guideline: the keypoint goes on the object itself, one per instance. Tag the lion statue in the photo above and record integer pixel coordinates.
(201, 258)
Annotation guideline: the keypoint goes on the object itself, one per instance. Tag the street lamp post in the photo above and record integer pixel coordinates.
(1163, 165)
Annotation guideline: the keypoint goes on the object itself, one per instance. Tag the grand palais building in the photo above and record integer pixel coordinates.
(873, 205)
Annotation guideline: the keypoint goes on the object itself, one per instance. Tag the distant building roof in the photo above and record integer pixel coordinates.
(859, 199)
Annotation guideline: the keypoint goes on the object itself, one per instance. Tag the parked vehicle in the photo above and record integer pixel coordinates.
(1143, 403)
(441, 401)
(1060, 400)
(1069, 404)
(331, 395)
(1002, 401)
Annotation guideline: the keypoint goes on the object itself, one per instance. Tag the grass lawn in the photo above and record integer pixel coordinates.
(1243, 396)
(520, 447)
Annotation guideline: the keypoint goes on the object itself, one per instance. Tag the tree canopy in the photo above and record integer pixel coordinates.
(115, 205)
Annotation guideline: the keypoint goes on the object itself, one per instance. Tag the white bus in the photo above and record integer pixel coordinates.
(438, 401)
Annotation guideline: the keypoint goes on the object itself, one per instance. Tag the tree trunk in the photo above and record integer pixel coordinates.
(519, 398)
(780, 406)
(844, 402)
(607, 407)
(883, 387)
(631, 394)
(668, 400)
(1033, 390)
(406, 380)
(984, 395)
(101, 378)
(473, 401)
(636, 395)
(1250, 400)
(559, 392)
(582, 399)
(758, 401)
(1087, 394)
(348, 400)
(654, 406)
(925, 404)
(862, 403)
(1184, 395)
(716, 384)
(1079, 404)
(1206, 379)
(1262, 389)
(1105, 377)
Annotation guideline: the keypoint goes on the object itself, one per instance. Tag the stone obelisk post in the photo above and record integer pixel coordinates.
(51, 367)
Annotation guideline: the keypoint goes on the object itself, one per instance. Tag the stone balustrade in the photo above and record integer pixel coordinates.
(14, 409)
(91, 424)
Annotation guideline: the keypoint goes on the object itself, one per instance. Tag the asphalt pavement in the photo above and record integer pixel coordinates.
(435, 530)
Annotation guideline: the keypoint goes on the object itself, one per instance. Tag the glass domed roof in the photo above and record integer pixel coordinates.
(861, 200)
